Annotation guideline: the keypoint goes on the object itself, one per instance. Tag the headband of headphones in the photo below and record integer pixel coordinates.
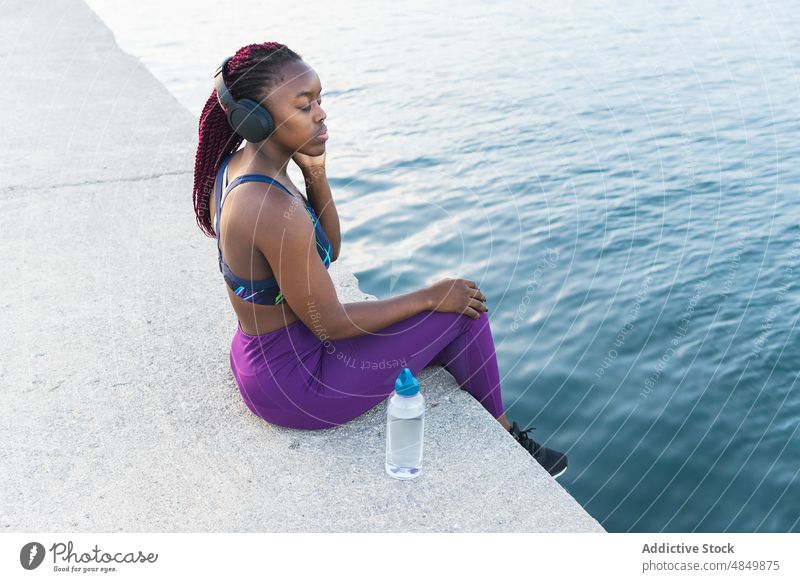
(224, 96)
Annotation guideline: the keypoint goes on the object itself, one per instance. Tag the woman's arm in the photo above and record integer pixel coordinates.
(319, 195)
(285, 236)
(364, 317)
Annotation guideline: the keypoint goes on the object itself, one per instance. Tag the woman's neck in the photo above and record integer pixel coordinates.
(263, 158)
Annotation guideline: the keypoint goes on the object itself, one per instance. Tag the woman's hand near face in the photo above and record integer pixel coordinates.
(306, 162)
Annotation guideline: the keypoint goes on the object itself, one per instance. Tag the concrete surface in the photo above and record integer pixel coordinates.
(120, 412)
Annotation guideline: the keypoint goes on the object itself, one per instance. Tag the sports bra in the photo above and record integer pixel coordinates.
(265, 291)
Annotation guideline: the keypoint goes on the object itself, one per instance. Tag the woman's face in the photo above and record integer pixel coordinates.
(294, 104)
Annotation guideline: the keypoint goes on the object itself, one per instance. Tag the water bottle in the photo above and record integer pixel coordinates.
(405, 425)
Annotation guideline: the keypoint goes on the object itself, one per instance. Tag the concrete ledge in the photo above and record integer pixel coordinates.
(120, 410)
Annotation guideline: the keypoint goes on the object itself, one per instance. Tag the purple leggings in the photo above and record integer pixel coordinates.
(291, 378)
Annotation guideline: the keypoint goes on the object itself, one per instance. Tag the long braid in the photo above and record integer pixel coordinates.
(250, 74)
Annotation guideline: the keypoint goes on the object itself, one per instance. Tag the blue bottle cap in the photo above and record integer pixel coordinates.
(406, 384)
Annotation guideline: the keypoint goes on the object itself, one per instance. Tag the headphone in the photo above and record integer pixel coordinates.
(249, 119)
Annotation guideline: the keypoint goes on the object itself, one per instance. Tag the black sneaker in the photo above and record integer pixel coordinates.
(554, 462)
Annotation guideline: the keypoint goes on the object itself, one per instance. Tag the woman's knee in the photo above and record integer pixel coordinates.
(476, 325)
(465, 322)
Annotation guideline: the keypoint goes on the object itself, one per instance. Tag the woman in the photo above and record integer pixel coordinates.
(301, 359)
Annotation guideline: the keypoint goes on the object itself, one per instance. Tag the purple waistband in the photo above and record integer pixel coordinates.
(269, 333)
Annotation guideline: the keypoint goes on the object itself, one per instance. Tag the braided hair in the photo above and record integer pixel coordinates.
(250, 74)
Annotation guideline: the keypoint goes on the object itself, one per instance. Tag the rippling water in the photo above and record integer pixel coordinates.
(620, 179)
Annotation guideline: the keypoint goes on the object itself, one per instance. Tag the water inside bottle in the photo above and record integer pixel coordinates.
(404, 447)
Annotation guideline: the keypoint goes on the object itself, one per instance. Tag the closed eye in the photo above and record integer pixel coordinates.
(308, 107)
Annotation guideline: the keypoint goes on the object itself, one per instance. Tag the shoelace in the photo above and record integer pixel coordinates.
(527, 442)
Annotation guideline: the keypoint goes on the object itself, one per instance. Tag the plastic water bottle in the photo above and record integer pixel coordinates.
(405, 426)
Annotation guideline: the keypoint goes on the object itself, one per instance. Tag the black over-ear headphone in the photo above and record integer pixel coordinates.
(247, 118)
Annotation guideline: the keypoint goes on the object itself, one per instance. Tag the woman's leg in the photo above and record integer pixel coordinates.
(356, 374)
(472, 361)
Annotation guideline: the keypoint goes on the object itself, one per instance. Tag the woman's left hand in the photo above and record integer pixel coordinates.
(309, 162)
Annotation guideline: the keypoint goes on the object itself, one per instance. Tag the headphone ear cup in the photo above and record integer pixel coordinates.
(251, 120)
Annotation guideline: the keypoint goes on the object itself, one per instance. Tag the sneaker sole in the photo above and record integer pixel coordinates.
(560, 473)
